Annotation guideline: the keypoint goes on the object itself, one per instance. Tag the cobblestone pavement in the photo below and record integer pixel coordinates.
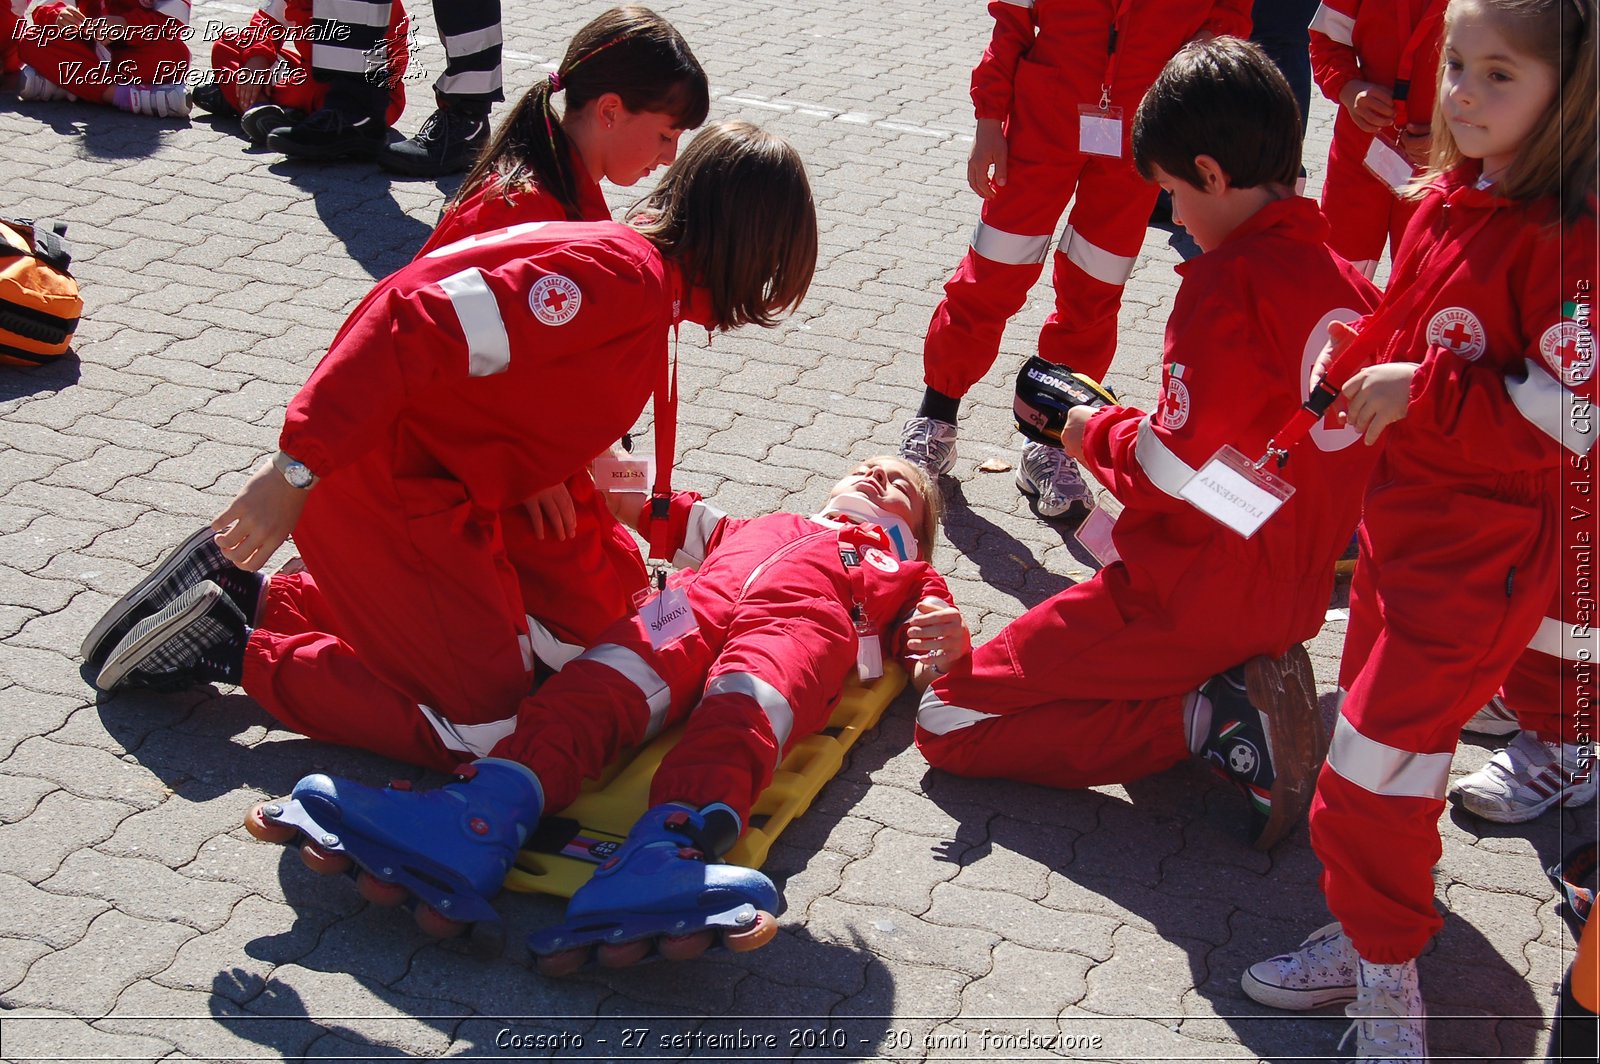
(928, 918)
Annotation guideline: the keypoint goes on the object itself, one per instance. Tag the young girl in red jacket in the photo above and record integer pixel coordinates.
(128, 54)
(469, 381)
(1477, 373)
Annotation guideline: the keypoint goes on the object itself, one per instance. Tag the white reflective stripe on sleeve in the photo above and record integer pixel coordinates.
(475, 739)
(1560, 639)
(637, 671)
(1094, 260)
(936, 715)
(334, 57)
(1011, 249)
(1334, 25)
(472, 42)
(488, 347)
(1384, 769)
(469, 83)
(703, 521)
(1549, 407)
(547, 648)
(1166, 470)
(277, 11)
(352, 12)
(769, 698)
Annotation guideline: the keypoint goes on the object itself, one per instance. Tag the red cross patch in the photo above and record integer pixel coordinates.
(554, 299)
(1568, 349)
(1458, 331)
(1175, 404)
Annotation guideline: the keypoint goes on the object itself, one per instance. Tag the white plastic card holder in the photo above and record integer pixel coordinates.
(1231, 490)
(668, 617)
(624, 474)
(1388, 165)
(1100, 130)
(1095, 535)
(869, 655)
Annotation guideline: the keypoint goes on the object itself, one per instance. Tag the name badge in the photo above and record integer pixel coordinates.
(869, 655)
(1388, 165)
(667, 617)
(1231, 490)
(1095, 535)
(1100, 130)
(624, 474)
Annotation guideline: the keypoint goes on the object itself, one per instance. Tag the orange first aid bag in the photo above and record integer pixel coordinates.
(39, 301)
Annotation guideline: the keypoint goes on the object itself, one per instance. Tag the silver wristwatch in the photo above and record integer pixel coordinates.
(294, 471)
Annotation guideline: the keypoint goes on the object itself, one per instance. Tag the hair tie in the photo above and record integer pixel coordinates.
(555, 82)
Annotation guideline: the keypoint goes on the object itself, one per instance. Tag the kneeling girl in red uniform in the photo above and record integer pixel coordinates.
(751, 648)
(479, 375)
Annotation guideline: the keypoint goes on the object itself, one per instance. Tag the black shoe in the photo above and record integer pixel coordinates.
(198, 637)
(331, 134)
(266, 118)
(195, 560)
(208, 97)
(447, 143)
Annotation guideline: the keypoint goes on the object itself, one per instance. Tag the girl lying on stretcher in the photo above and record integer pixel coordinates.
(752, 647)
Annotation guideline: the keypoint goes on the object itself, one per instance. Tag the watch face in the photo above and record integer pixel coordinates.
(298, 475)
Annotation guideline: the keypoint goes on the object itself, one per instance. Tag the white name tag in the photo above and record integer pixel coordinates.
(1386, 162)
(624, 474)
(668, 617)
(1100, 132)
(1229, 489)
(869, 655)
(1095, 535)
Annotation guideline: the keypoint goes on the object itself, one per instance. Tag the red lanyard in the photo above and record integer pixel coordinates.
(1428, 26)
(1117, 17)
(850, 556)
(666, 413)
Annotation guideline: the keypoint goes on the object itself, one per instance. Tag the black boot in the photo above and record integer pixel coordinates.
(447, 143)
(349, 126)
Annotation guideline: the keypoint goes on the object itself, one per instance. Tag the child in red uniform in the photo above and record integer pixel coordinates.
(1051, 92)
(1476, 371)
(465, 383)
(631, 87)
(1375, 59)
(777, 612)
(1108, 680)
(263, 72)
(128, 54)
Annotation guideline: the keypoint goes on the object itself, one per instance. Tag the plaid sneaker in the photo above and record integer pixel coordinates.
(1263, 732)
(196, 638)
(929, 444)
(1321, 972)
(447, 143)
(1495, 718)
(193, 561)
(1525, 778)
(1390, 1023)
(1052, 479)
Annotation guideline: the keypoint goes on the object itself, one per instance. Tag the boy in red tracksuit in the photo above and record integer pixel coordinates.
(1098, 684)
(1054, 93)
(1378, 60)
(778, 611)
(269, 63)
(129, 54)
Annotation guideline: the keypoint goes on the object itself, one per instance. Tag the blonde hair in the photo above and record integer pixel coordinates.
(1558, 159)
(927, 532)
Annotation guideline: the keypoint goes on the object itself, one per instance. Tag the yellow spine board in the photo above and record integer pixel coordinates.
(600, 818)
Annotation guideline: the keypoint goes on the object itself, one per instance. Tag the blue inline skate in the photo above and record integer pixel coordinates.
(662, 892)
(446, 852)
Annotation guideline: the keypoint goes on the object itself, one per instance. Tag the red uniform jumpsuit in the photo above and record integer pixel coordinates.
(574, 588)
(1089, 686)
(1552, 687)
(1046, 58)
(287, 55)
(1462, 533)
(11, 12)
(449, 396)
(764, 669)
(1395, 44)
(154, 53)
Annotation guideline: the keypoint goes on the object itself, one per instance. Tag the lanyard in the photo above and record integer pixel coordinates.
(666, 414)
(1368, 342)
(1428, 27)
(850, 556)
(1117, 18)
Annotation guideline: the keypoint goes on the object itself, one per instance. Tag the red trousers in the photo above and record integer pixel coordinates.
(1436, 622)
(1552, 687)
(1110, 210)
(75, 65)
(1363, 213)
(291, 85)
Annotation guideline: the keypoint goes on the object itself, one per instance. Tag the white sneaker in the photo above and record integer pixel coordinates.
(1495, 718)
(1047, 472)
(1321, 972)
(1390, 1024)
(35, 86)
(1525, 778)
(929, 444)
(162, 101)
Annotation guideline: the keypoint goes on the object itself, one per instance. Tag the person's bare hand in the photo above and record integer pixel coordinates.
(1372, 106)
(986, 166)
(259, 518)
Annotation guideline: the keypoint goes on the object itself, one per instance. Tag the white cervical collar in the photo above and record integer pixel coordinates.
(860, 508)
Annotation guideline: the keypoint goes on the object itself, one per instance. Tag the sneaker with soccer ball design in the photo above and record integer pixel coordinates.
(1525, 778)
(929, 444)
(1051, 478)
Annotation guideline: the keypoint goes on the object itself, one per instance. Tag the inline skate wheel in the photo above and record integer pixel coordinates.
(260, 826)
(565, 962)
(758, 934)
(435, 924)
(378, 892)
(622, 954)
(685, 947)
(323, 862)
